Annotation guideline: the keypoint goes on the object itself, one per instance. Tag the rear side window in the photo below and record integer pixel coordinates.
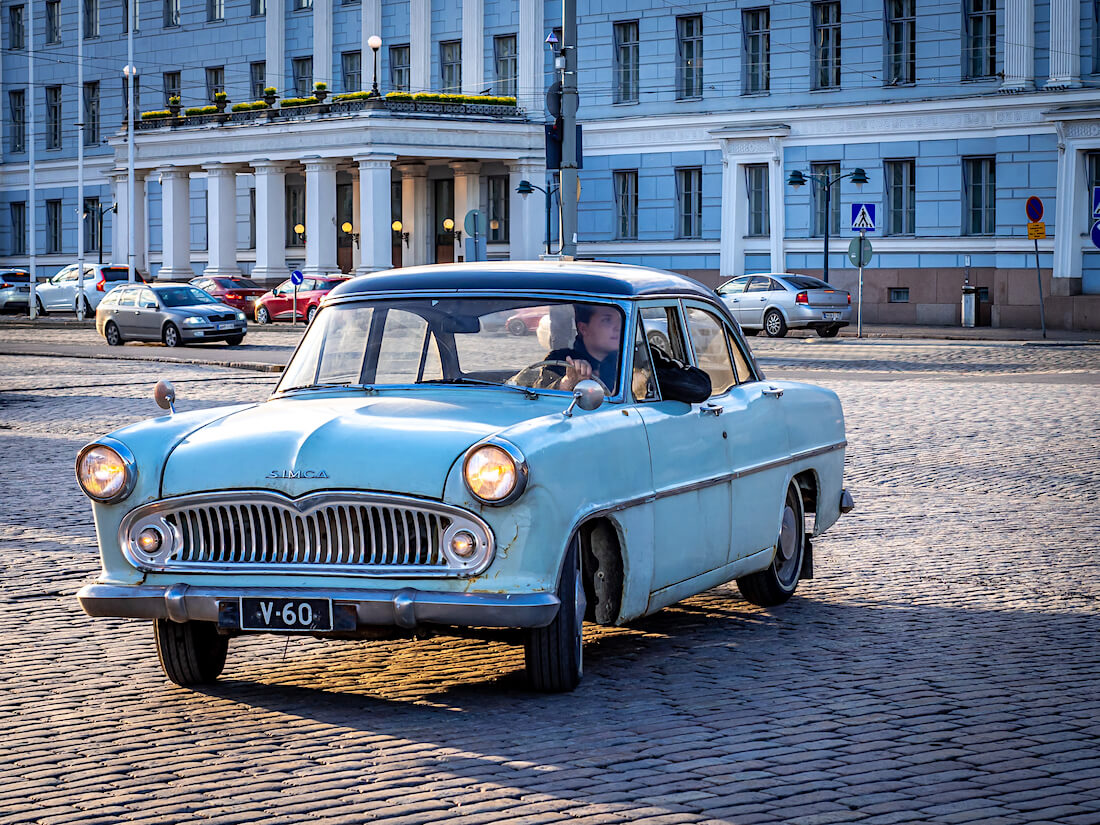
(116, 273)
(110, 299)
(806, 282)
(662, 329)
(759, 284)
(128, 298)
(712, 355)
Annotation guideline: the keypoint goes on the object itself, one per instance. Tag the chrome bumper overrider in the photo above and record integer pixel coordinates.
(405, 608)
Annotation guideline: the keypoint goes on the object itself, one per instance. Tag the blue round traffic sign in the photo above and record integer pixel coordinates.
(296, 277)
(1096, 234)
(1034, 208)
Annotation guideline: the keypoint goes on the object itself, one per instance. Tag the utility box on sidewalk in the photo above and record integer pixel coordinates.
(969, 305)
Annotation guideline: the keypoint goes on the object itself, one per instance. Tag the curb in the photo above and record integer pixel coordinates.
(255, 366)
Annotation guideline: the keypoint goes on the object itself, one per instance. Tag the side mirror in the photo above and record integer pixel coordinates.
(165, 395)
(149, 304)
(588, 395)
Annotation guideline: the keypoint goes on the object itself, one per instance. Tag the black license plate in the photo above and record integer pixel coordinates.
(303, 615)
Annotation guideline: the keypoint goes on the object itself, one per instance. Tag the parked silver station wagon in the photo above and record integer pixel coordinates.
(776, 302)
(176, 314)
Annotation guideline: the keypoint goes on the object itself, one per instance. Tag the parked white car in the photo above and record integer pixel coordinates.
(59, 293)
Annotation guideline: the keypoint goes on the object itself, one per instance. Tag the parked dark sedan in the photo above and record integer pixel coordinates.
(176, 314)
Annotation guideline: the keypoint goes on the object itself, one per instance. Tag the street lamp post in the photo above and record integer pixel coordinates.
(797, 179)
(99, 212)
(375, 43)
(525, 188)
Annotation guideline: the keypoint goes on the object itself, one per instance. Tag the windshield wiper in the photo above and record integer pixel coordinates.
(527, 391)
(331, 385)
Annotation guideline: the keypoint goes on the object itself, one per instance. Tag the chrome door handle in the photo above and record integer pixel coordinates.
(773, 391)
(710, 408)
(763, 300)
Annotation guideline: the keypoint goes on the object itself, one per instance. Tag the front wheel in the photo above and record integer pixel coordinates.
(41, 310)
(517, 327)
(311, 313)
(87, 307)
(554, 655)
(172, 337)
(263, 316)
(829, 331)
(777, 583)
(191, 653)
(774, 325)
(234, 340)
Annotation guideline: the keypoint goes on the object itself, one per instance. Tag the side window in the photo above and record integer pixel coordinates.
(708, 337)
(740, 361)
(345, 347)
(662, 328)
(643, 384)
(734, 287)
(775, 286)
(284, 287)
(402, 343)
(145, 296)
(759, 284)
(128, 298)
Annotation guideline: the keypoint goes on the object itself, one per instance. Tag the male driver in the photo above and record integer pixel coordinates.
(595, 352)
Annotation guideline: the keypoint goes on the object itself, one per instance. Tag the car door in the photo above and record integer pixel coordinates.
(278, 305)
(756, 446)
(691, 508)
(147, 315)
(732, 294)
(754, 301)
(126, 315)
(51, 292)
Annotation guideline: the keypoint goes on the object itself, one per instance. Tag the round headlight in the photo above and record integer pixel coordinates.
(103, 474)
(493, 475)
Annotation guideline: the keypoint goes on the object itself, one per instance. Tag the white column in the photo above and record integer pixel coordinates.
(221, 220)
(420, 44)
(275, 46)
(1065, 44)
(776, 214)
(731, 260)
(270, 221)
(527, 214)
(1071, 214)
(322, 42)
(375, 235)
(320, 216)
(141, 235)
(1019, 46)
(175, 223)
(473, 46)
(529, 56)
(414, 214)
(467, 197)
(370, 23)
(120, 222)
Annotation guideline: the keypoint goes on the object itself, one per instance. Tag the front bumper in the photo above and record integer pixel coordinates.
(405, 608)
(211, 334)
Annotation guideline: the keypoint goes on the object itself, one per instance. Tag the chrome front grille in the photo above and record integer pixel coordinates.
(333, 533)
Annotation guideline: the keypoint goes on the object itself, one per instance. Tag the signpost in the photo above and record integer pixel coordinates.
(1096, 216)
(296, 278)
(475, 225)
(1037, 230)
(859, 253)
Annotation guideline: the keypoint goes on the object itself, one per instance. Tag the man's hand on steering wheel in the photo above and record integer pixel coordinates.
(579, 370)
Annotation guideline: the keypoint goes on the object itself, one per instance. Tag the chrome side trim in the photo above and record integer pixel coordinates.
(407, 608)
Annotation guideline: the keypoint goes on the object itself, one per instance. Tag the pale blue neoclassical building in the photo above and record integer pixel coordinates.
(694, 116)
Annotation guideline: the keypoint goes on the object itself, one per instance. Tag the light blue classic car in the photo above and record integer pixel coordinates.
(417, 471)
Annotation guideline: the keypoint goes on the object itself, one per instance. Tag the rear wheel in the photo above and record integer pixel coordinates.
(191, 653)
(774, 325)
(829, 331)
(310, 314)
(517, 327)
(554, 654)
(263, 316)
(171, 336)
(777, 583)
(111, 333)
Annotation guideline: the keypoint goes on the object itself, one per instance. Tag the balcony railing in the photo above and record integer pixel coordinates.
(337, 107)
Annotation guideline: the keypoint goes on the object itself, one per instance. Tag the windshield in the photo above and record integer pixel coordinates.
(460, 341)
(236, 283)
(183, 296)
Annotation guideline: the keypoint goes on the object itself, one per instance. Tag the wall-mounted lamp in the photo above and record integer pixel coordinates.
(449, 226)
(347, 227)
(300, 231)
(494, 224)
(396, 227)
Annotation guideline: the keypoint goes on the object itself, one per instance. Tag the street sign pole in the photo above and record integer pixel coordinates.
(1036, 230)
(1039, 281)
(859, 288)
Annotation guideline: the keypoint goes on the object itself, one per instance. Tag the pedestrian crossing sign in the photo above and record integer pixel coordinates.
(863, 217)
(1096, 203)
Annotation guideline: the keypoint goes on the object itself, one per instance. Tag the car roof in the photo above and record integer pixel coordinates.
(587, 277)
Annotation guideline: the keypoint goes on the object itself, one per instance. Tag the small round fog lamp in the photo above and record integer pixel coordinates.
(149, 540)
(463, 544)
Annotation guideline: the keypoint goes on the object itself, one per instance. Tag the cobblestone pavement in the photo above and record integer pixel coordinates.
(942, 667)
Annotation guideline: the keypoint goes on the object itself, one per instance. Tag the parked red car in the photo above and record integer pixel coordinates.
(278, 304)
(525, 321)
(239, 293)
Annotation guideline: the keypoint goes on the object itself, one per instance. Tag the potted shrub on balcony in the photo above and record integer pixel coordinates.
(320, 91)
(270, 93)
(174, 106)
(221, 99)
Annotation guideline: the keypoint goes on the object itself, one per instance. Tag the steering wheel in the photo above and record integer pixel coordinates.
(551, 362)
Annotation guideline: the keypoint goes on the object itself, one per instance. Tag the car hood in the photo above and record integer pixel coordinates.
(387, 443)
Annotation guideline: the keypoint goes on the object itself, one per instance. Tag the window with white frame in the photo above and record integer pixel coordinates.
(826, 19)
(689, 66)
(91, 113)
(689, 203)
(821, 173)
(980, 196)
(171, 81)
(90, 219)
(504, 65)
(17, 111)
(215, 10)
(303, 75)
(257, 78)
(295, 212)
(258, 8)
(626, 62)
(351, 70)
(53, 117)
(756, 50)
(215, 81)
(298, 5)
(53, 226)
(626, 204)
(450, 66)
(399, 68)
(756, 183)
(18, 228)
(1092, 179)
(980, 51)
(901, 41)
(498, 208)
(171, 13)
(901, 196)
